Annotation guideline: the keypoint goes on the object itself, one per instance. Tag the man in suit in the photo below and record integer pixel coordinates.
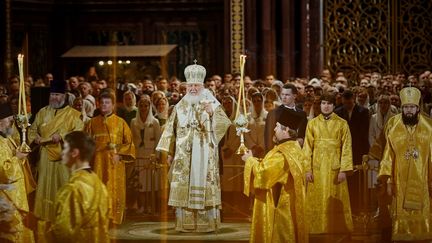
(288, 96)
(358, 121)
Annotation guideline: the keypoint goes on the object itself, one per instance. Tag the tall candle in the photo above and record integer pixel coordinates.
(20, 63)
(241, 101)
(22, 93)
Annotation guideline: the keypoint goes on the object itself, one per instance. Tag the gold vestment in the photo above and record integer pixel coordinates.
(278, 220)
(82, 210)
(112, 136)
(192, 137)
(328, 151)
(11, 172)
(407, 162)
(52, 174)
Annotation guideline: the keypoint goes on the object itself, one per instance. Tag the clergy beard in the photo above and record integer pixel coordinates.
(410, 120)
(8, 131)
(192, 99)
(56, 105)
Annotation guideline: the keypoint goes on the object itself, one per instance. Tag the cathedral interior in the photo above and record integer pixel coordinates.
(129, 40)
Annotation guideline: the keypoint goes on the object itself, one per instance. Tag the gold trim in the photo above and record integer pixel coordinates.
(237, 33)
(198, 188)
(197, 202)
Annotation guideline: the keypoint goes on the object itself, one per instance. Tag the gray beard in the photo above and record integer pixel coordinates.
(8, 131)
(192, 99)
(56, 105)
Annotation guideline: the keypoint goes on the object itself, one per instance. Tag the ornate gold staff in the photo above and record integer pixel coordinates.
(22, 117)
(241, 120)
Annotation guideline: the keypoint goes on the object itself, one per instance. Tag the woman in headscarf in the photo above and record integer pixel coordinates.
(78, 104)
(129, 109)
(254, 139)
(145, 134)
(162, 110)
(155, 96)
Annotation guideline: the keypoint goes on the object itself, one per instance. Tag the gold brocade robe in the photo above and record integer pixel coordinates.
(11, 172)
(411, 176)
(112, 136)
(82, 210)
(327, 148)
(284, 220)
(51, 173)
(191, 133)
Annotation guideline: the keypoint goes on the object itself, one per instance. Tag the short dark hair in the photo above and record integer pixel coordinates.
(107, 94)
(83, 142)
(329, 98)
(309, 86)
(292, 133)
(290, 86)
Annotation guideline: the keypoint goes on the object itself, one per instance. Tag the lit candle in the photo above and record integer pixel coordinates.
(241, 101)
(20, 62)
(22, 93)
(242, 64)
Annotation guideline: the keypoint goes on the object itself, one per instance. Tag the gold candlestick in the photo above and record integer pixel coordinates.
(22, 117)
(22, 122)
(241, 120)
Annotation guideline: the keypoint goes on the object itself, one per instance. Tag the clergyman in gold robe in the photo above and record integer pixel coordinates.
(82, 205)
(406, 168)
(12, 175)
(114, 148)
(192, 134)
(279, 186)
(50, 126)
(328, 160)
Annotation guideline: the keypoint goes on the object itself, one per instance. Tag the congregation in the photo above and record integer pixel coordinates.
(128, 118)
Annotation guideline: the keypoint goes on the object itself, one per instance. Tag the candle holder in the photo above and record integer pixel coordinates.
(22, 122)
(241, 123)
(241, 117)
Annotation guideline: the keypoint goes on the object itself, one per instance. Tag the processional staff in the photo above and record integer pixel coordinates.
(22, 118)
(241, 120)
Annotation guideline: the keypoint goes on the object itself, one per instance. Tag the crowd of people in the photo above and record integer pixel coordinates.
(139, 125)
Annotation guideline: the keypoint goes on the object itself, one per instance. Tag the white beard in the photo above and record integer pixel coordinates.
(193, 99)
(56, 105)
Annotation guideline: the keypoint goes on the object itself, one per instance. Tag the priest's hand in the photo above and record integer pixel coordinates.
(341, 177)
(56, 138)
(20, 155)
(247, 155)
(300, 141)
(116, 159)
(309, 176)
(208, 108)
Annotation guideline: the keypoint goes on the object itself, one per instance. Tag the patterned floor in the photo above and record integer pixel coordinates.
(137, 231)
(164, 232)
